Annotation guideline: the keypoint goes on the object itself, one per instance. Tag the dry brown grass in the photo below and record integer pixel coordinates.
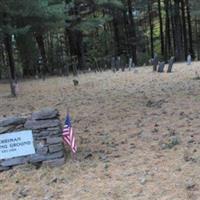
(121, 120)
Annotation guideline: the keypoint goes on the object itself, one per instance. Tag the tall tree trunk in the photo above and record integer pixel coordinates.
(116, 35)
(72, 47)
(173, 26)
(3, 59)
(40, 41)
(189, 28)
(132, 31)
(51, 50)
(9, 50)
(80, 51)
(184, 28)
(197, 34)
(76, 47)
(151, 26)
(179, 52)
(161, 27)
(168, 47)
(126, 32)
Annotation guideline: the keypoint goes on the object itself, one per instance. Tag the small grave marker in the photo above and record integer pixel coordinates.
(161, 67)
(189, 59)
(130, 64)
(171, 62)
(155, 63)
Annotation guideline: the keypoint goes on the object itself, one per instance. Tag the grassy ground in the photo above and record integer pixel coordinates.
(138, 136)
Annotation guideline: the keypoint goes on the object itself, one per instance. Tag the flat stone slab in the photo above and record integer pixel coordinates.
(13, 161)
(42, 150)
(46, 113)
(41, 158)
(54, 140)
(6, 129)
(55, 148)
(55, 163)
(4, 168)
(8, 121)
(41, 124)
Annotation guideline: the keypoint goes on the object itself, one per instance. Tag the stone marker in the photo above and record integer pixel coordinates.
(11, 121)
(47, 138)
(155, 62)
(76, 82)
(171, 62)
(189, 59)
(130, 64)
(118, 63)
(47, 113)
(161, 67)
(113, 64)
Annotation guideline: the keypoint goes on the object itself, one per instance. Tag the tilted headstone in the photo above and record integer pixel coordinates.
(171, 62)
(161, 67)
(155, 63)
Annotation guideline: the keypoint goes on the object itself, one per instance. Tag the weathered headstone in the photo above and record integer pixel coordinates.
(76, 82)
(161, 67)
(189, 59)
(123, 65)
(66, 70)
(130, 64)
(118, 63)
(171, 62)
(113, 64)
(155, 62)
(41, 63)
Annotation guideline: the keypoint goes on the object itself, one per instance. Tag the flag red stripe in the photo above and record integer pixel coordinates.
(69, 138)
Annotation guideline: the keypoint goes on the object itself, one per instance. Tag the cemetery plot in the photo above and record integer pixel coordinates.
(137, 133)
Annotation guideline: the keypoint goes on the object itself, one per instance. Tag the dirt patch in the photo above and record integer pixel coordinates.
(120, 120)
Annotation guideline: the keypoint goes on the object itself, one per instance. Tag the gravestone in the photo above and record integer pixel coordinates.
(189, 59)
(161, 67)
(113, 64)
(123, 67)
(155, 63)
(118, 63)
(76, 82)
(35, 139)
(130, 64)
(171, 62)
(65, 70)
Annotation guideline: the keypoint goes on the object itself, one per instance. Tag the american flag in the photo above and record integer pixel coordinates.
(68, 134)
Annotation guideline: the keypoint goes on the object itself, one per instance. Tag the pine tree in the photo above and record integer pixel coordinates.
(21, 17)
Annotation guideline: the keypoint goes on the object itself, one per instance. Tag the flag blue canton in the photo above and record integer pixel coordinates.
(68, 134)
(68, 121)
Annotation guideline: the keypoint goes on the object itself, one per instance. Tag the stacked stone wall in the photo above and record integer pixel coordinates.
(47, 135)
